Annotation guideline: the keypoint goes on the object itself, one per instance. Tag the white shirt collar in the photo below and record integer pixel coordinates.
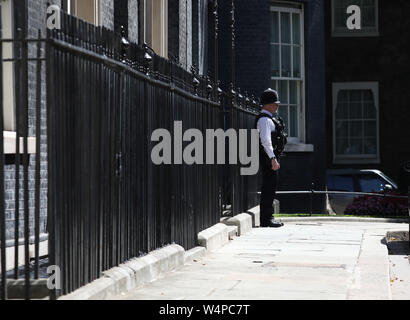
(267, 112)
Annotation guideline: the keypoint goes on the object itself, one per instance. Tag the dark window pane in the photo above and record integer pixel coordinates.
(355, 96)
(342, 146)
(342, 111)
(283, 91)
(355, 147)
(284, 114)
(296, 28)
(355, 110)
(342, 129)
(275, 27)
(370, 146)
(293, 126)
(343, 96)
(369, 111)
(370, 129)
(368, 17)
(285, 27)
(356, 129)
(286, 65)
(275, 60)
(296, 62)
(368, 96)
(293, 92)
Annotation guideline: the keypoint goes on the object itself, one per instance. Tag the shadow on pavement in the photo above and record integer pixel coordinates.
(397, 243)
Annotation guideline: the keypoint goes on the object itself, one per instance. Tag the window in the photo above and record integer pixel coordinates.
(8, 67)
(287, 65)
(156, 25)
(88, 10)
(355, 123)
(369, 18)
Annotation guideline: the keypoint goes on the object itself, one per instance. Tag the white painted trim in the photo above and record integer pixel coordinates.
(7, 29)
(9, 138)
(299, 147)
(355, 159)
(301, 113)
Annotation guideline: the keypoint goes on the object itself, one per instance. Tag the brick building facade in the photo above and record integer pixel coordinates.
(268, 35)
(373, 62)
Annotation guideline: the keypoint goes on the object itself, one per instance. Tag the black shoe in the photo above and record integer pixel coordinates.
(272, 224)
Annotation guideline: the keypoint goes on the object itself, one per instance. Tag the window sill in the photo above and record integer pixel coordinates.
(9, 146)
(299, 147)
(357, 161)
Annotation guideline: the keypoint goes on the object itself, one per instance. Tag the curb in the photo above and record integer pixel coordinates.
(243, 221)
(371, 276)
(131, 274)
(344, 219)
(214, 237)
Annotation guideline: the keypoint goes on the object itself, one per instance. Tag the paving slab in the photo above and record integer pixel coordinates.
(329, 260)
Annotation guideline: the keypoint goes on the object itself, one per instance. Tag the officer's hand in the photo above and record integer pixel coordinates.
(275, 165)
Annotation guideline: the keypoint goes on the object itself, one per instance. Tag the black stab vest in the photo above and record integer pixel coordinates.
(279, 140)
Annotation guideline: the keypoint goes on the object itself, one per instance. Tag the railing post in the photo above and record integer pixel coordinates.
(233, 43)
(312, 191)
(3, 269)
(216, 36)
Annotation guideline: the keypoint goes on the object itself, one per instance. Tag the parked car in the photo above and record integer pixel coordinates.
(355, 180)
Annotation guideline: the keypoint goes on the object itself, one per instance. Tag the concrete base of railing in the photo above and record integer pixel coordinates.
(255, 214)
(243, 221)
(131, 274)
(156, 264)
(214, 237)
(195, 254)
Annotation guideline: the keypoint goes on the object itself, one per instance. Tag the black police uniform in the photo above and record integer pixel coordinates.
(269, 176)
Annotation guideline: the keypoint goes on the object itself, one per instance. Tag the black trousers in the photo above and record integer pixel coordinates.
(269, 186)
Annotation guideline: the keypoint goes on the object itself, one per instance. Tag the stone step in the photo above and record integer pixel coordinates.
(232, 232)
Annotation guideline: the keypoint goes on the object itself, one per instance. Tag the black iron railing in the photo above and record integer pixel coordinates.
(22, 178)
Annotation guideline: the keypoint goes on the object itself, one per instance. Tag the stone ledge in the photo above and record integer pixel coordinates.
(194, 254)
(131, 274)
(255, 214)
(243, 221)
(214, 237)
(232, 232)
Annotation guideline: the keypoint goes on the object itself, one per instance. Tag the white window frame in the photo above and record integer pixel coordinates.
(356, 159)
(151, 16)
(364, 32)
(9, 96)
(72, 9)
(301, 139)
(7, 20)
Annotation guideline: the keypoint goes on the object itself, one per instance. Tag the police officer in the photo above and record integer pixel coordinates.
(269, 128)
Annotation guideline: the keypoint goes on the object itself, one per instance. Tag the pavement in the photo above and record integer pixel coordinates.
(301, 261)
